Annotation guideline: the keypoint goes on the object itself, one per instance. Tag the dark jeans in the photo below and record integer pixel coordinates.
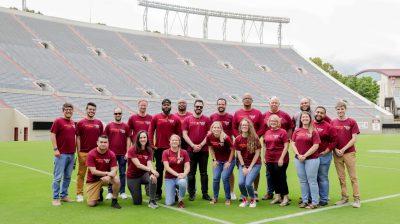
(135, 187)
(121, 170)
(200, 158)
(160, 169)
(278, 178)
(270, 185)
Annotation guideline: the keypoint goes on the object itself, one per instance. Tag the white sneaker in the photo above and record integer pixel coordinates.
(233, 196)
(244, 203)
(253, 203)
(123, 196)
(356, 204)
(109, 196)
(79, 198)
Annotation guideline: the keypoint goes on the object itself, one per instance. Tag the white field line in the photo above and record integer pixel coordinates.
(321, 210)
(379, 167)
(162, 205)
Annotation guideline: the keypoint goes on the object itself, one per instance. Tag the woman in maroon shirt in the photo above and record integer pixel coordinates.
(223, 156)
(277, 158)
(305, 142)
(248, 149)
(140, 170)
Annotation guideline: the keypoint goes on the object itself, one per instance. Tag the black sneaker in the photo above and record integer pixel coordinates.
(114, 204)
(322, 203)
(206, 197)
(176, 195)
(158, 197)
(101, 195)
(146, 187)
(192, 197)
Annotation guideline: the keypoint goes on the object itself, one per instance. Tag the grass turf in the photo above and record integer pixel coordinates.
(26, 195)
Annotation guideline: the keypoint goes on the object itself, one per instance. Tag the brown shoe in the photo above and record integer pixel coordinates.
(56, 202)
(227, 202)
(213, 201)
(302, 205)
(66, 199)
(311, 206)
(267, 196)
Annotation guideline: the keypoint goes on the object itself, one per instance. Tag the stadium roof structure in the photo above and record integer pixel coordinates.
(386, 72)
(213, 13)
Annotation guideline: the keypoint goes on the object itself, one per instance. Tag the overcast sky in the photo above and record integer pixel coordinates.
(351, 34)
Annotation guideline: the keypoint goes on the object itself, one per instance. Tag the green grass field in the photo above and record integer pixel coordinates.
(25, 194)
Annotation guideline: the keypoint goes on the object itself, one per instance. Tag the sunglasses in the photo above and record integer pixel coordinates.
(117, 113)
(199, 107)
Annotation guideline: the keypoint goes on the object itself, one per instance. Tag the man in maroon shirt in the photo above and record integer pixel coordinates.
(195, 129)
(286, 124)
(256, 117)
(162, 126)
(102, 165)
(305, 105)
(182, 113)
(88, 131)
(140, 121)
(226, 120)
(119, 141)
(345, 153)
(64, 145)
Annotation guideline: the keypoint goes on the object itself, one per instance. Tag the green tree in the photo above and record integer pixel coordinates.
(365, 86)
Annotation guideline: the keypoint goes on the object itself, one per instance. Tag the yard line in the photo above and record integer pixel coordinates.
(162, 205)
(379, 167)
(321, 210)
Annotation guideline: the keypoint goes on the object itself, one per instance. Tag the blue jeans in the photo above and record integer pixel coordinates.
(246, 182)
(323, 181)
(219, 172)
(121, 170)
(170, 189)
(63, 167)
(307, 172)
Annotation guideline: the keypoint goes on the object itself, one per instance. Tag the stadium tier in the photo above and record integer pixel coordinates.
(46, 61)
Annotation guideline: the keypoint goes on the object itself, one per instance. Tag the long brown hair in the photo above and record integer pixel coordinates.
(252, 137)
(310, 125)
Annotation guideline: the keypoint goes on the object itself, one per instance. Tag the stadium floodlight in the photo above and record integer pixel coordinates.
(212, 13)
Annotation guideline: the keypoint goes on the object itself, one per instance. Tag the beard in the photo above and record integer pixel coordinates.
(221, 109)
(166, 110)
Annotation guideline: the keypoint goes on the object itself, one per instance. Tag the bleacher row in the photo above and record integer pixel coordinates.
(131, 65)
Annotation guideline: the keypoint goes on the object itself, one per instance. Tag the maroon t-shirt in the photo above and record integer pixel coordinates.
(138, 123)
(327, 134)
(305, 140)
(117, 136)
(102, 162)
(143, 156)
(241, 145)
(345, 130)
(222, 150)
(182, 117)
(226, 121)
(275, 143)
(177, 164)
(254, 115)
(197, 129)
(286, 121)
(65, 131)
(163, 126)
(89, 132)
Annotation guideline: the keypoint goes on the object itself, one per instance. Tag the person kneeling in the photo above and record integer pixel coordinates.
(102, 165)
(141, 171)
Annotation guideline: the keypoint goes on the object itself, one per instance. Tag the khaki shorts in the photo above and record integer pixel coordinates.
(93, 190)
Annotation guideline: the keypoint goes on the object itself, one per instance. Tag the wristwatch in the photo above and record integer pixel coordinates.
(55, 148)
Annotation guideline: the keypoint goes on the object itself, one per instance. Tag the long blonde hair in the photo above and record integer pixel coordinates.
(222, 135)
(252, 137)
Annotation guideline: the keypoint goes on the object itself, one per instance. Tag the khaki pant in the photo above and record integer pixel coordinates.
(81, 172)
(93, 190)
(347, 161)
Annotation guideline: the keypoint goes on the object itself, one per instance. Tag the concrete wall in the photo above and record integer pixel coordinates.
(9, 119)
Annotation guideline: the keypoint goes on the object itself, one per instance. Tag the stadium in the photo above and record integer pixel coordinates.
(47, 61)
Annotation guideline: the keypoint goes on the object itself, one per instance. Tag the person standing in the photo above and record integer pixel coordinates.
(327, 134)
(226, 120)
(88, 131)
(140, 121)
(62, 136)
(162, 127)
(177, 166)
(248, 149)
(119, 141)
(305, 143)
(140, 170)
(195, 129)
(276, 158)
(345, 153)
(102, 165)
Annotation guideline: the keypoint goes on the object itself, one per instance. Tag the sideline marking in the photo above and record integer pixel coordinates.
(162, 205)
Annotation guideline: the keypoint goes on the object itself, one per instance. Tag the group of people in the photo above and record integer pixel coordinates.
(123, 153)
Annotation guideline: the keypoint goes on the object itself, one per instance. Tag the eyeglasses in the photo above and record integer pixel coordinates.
(200, 107)
(247, 98)
(117, 113)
